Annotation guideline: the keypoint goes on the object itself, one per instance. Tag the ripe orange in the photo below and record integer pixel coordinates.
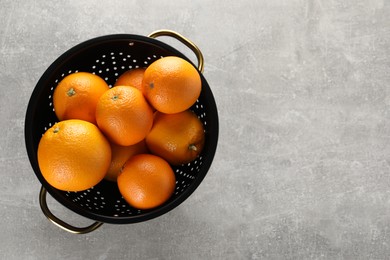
(119, 155)
(123, 115)
(146, 181)
(171, 84)
(76, 96)
(131, 77)
(73, 155)
(178, 138)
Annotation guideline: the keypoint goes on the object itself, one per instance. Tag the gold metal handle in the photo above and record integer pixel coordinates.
(185, 41)
(60, 223)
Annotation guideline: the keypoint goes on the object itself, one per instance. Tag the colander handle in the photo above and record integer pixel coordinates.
(60, 223)
(185, 41)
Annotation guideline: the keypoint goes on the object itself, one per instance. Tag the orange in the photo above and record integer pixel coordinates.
(123, 115)
(73, 155)
(76, 96)
(171, 84)
(146, 181)
(178, 138)
(119, 155)
(131, 77)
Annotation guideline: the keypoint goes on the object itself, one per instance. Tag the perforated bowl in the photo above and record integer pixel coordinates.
(109, 56)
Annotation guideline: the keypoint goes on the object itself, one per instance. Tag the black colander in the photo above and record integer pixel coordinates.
(109, 56)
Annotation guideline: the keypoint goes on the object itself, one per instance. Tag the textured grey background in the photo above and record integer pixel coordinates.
(302, 166)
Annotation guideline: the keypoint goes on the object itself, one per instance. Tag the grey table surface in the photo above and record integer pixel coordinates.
(302, 165)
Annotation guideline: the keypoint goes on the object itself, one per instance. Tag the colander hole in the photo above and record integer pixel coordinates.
(113, 57)
(123, 67)
(135, 61)
(149, 58)
(105, 78)
(108, 69)
(124, 59)
(130, 67)
(97, 61)
(116, 74)
(115, 68)
(112, 53)
(103, 63)
(114, 62)
(145, 62)
(121, 53)
(128, 56)
(104, 55)
(49, 96)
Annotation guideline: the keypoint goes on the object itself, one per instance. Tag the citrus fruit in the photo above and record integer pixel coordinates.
(178, 138)
(76, 96)
(171, 84)
(119, 155)
(146, 181)
(123, 115)
(131, 77)
(73, 155)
